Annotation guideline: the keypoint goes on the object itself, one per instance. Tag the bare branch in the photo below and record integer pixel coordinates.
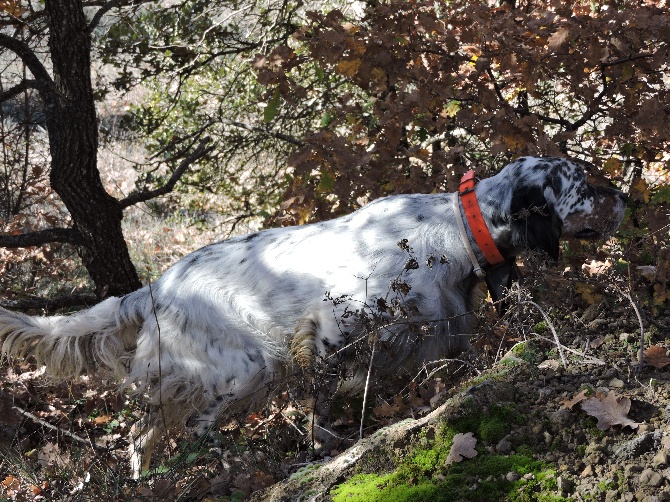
(138, 197)
(104, 9)
(19, 88)
(50, 304)
(40, 237)
(23, 51)
(106, 6)
(266, 132)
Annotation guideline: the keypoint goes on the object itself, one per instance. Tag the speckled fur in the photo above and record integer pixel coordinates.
(229, 317)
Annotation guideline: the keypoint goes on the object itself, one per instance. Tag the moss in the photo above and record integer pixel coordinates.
(490, 426)
(423, 476)
(479, 479)
(305, 474)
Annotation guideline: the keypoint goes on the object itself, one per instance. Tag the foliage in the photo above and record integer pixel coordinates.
(439, 86)
(202, 78)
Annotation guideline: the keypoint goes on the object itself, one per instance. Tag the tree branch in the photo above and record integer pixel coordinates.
(137, 197)
(40, 237)
(278, 135)
(104, 9)
(26, 54)
(19, 88)
(50, 304)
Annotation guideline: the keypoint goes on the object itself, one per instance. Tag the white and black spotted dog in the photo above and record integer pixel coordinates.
(230, 318)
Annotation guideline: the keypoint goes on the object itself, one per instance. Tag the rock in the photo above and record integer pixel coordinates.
(660, 459)
(615, 383)
(548, 438)
(561, 418)
(504, 446)
(626, 337)
(565, 485)
(612, 496)
(512, 476)
(587, 472)
(649, 477)
(610, 373)
(645, 442)
(594, 448)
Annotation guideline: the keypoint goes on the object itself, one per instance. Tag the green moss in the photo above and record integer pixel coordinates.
(489, 426)
(423, 476)
(478, 479)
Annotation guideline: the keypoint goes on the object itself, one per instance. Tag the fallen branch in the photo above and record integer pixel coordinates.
(54, 428)
(50, 304)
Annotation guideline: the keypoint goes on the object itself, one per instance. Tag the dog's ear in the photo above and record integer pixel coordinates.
(535, 223)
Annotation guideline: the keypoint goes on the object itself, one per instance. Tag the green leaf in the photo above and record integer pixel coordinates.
(272, 107)
(327, 119)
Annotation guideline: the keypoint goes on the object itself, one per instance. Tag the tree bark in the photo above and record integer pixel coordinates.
(73, 138)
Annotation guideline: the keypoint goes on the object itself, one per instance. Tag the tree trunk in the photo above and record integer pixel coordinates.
(73, 138)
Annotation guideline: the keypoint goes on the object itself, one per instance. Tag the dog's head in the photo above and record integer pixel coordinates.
(551, 199)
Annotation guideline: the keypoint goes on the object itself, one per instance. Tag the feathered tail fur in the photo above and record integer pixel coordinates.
(96, 340)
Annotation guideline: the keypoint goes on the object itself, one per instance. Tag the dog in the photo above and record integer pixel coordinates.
(226, 321)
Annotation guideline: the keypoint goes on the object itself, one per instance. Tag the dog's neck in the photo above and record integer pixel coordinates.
(495, 205)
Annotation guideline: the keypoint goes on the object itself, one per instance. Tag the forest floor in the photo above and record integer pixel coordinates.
(597, 428)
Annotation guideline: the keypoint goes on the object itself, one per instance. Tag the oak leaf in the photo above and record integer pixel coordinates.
(462, 447)
(656, 356)
(569, 403)
(609, 410)
(348, 68)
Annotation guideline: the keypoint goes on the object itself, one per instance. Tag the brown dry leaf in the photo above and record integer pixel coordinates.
(11, 483)
(386, 410)
(656, 356)
(101, 420)
(463, 447)
(609, 410)
(569, 403)
(558, 38)
(348, 68)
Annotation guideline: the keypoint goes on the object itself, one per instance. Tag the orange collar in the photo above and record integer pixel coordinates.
(476, 221)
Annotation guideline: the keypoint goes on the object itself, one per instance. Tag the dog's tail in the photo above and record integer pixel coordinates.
(97, 340)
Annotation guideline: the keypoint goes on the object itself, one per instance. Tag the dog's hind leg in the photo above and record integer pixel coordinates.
(144, 435)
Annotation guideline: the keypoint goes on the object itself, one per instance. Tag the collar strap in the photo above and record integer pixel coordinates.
(476, 221)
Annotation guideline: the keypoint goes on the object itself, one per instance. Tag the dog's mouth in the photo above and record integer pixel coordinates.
(588, 234)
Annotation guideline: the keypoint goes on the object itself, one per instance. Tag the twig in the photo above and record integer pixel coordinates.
(160, 369)
(553, 330)
(87, 442)
(587, 358)
(137, 197)
(640, 353)
(367, 383)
